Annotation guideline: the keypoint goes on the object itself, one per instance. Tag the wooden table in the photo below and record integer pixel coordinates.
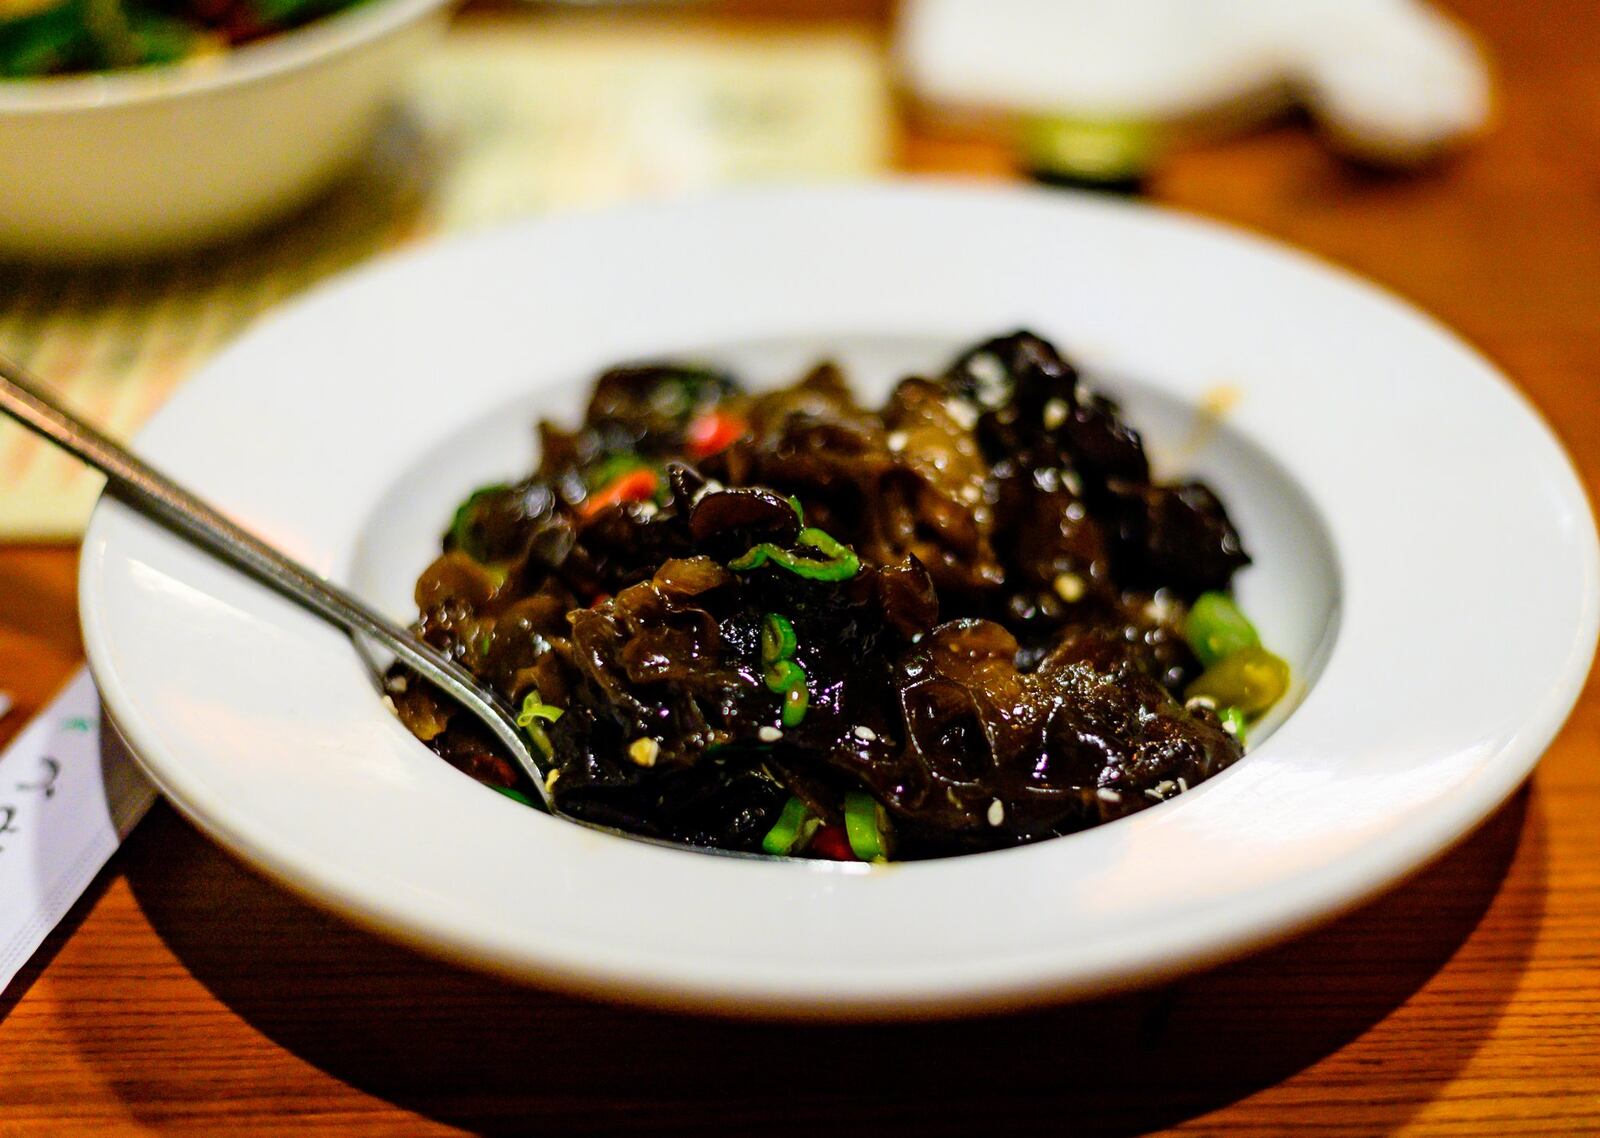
(187, 995)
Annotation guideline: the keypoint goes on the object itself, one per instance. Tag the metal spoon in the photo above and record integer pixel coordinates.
(133, 481)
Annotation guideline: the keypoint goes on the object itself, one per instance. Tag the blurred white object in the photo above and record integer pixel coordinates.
(151, 161)
(1391, 80)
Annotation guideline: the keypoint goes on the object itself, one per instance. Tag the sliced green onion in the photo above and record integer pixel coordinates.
(1250, 679)
(866, 824)
(829, 546)
(534, 709)
(789, 679)
(460, 535)
(516, 796)
(839, 561)
(783, 675)
(793, 829)
(1233, 722)
(777, 639)
(795, 701)
(755, 557)
(1216, 629)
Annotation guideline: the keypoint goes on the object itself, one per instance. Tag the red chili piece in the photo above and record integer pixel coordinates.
(634, 486)
(832, 843)
(713, 432)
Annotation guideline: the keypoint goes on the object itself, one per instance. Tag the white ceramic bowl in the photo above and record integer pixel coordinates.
(1424, 556)
(146, 162)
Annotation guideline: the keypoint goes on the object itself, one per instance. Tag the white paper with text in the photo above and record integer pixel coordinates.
(69, 794)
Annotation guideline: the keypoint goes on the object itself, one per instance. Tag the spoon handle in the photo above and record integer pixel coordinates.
(146, 490)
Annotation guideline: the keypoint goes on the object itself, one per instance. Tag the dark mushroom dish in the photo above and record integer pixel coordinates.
(784, 622)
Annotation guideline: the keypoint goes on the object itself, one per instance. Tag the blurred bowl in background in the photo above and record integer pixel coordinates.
(156, 160)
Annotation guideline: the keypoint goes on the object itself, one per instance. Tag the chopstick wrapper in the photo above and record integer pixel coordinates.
(69, 794)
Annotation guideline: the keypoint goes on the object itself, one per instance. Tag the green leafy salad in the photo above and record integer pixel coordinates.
(40, 38)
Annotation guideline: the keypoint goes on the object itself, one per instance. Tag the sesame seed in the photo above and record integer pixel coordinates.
(971, 495)
(991, 376)
(997, 812)
(1070, 479)
(987, 367)
(1055, 413)
(865, 734)
(962, 412)
(1106, 794)
(1199, 701)
(396, 684)
(644, 750)
(1069, 587)
(1183, 784)
(897, 441)
(1159, 607)
(769, 734)
(712, 486)
(550, 779)
(389, 703)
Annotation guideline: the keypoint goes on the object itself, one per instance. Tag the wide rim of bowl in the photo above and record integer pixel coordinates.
(324, 38)
(1146, 944)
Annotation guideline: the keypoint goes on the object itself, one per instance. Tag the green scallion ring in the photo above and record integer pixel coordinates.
(866, 824)
(792, 830)
(783, 675)
(1216, 628)
(777, 639)
(534, 707)
(829, 546)
(840, 562)
(1250, 679)
(795, 701)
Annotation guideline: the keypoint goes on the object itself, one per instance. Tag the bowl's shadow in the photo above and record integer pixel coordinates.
(490, 1056)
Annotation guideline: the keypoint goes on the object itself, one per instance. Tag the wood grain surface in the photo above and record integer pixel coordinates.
(187, 996)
